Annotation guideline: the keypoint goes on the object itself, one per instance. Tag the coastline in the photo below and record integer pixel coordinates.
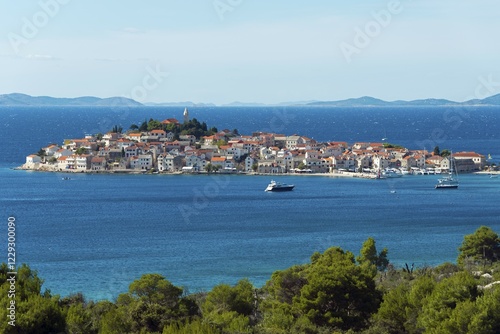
(51, 169)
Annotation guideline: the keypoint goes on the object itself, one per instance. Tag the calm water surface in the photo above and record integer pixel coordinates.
(97, 233)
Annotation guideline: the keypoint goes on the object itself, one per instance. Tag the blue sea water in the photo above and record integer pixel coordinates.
(97, 233)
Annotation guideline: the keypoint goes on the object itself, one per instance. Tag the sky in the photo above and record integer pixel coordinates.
(221, 51)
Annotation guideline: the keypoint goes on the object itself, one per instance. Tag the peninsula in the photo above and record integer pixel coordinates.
(172, 146)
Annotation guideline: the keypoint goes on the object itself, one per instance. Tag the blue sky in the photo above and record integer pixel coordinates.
(222, 51)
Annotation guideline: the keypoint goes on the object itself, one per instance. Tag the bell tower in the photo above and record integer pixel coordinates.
(186, 115)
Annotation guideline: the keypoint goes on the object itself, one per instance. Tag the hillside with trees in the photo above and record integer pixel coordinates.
(336, 292)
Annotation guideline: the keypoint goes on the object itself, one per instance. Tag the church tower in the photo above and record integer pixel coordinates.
(186, 115)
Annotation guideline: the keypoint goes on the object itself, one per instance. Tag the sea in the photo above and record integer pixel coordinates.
(96, 233)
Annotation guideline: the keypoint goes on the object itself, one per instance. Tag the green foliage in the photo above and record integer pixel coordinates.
(388, 145)
(331, 294)
(194, 327)
(439, 307)
(144, 126)
(117, 129)
(78, 320)
(41, 153)
(445, 153)
(482, 245)
(81, 150)
(368, 255)
(436, 150)
(228, 308)
(154, 125)
(338, 293)
(209, 168)
(35, 312)
(221, 142)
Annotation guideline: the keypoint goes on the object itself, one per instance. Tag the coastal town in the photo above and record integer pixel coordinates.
(171, 146)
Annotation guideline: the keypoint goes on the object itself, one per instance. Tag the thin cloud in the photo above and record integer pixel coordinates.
(41, 57)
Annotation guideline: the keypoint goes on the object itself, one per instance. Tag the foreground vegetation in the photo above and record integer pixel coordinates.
(335, 293)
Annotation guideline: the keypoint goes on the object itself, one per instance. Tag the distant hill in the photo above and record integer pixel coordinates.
(370, 101)
(17, 99)
(180, 104)
(361, 101)
(244, 104)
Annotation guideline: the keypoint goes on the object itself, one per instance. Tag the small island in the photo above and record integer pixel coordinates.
(171, 146)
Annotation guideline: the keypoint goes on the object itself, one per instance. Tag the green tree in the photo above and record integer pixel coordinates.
(36, 312)
(144, 126)
(445, 153)
(338, 293)
(41, 153)
(78, 320)
(154, 125)
(228, 308)
(368, 254)
(482, 245)
(436, 150)
(117, 129)
(209, 168)
(151, 303)
(81, 150)
(221, 142)
(439, 306)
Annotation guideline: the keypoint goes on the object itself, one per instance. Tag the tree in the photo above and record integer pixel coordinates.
(117, 129)
(368, 254)
(154, 288)
(36, 312)
(81, 150)
(436, 150)
(134, 127)
(229, 308)
(447, 295)
(41, 153)
(445, 153)
(209, 168)
(338, 293)
(221, 142)
(154, 125)
(151, 303)
(144, 126)
(482, 245)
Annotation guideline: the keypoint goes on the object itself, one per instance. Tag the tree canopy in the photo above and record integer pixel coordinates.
(335, 292)
(482, 245)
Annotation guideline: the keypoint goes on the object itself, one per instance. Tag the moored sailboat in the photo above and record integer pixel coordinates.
(450, 181)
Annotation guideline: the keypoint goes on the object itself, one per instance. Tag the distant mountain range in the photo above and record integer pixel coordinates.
(371, 101)
(17, 99)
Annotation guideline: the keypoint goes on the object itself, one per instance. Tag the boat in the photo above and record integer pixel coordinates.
(390, 173)
(450, 181)
(277, 186)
